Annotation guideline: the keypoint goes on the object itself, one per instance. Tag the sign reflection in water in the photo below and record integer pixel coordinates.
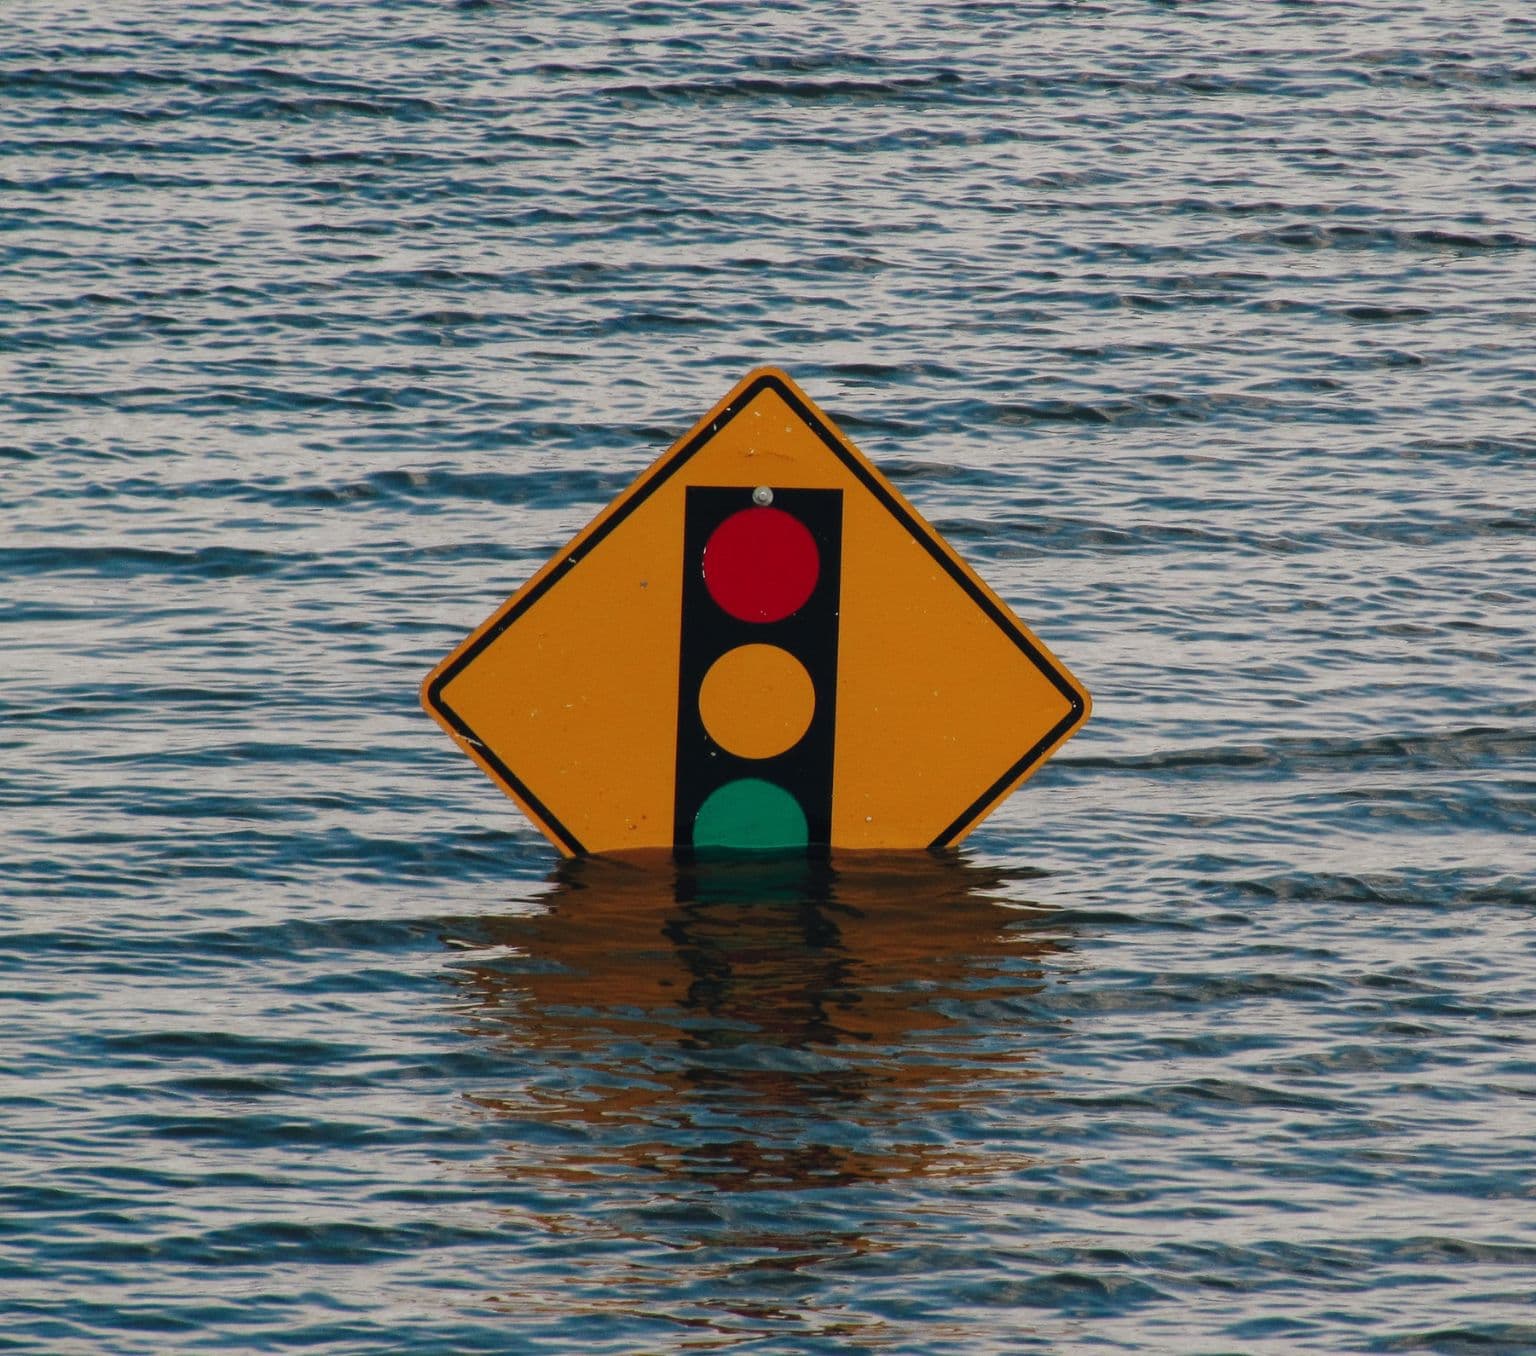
(752, 1025)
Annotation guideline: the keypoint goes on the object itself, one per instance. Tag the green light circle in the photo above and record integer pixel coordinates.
(750, 814)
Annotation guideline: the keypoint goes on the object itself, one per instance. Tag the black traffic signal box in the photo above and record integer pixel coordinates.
(749, 553)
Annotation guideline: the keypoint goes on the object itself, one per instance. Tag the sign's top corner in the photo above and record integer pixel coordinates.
(769, 375)
(767, 372)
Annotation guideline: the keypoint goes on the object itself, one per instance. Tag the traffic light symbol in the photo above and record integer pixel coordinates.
(757, 700)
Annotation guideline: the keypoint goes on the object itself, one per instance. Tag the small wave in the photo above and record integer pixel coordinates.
(1433, 68)
(318, 107)
(128, 562)
(1434, 890)
(1419, 240)
(1471, 746)
(1186, 1099)
(902, 88)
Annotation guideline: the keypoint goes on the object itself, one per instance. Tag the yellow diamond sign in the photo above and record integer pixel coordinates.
(760, 645)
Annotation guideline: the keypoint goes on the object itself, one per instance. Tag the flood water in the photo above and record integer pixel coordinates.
(1203, 331)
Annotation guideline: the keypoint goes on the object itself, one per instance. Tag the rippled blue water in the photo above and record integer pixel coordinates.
(1203, 330)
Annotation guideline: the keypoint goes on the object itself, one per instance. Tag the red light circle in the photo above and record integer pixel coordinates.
(761, 564)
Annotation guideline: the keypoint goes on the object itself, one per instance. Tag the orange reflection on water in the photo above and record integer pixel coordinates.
(754, 1024)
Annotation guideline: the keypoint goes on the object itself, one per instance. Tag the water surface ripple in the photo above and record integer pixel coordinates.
(1203, 330)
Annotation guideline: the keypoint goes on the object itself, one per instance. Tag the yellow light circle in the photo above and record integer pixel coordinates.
(756, 701)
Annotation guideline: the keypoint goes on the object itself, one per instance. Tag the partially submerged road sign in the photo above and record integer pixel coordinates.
(758, 645)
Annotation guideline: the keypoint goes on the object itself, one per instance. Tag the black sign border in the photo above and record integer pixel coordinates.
(660, 474)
